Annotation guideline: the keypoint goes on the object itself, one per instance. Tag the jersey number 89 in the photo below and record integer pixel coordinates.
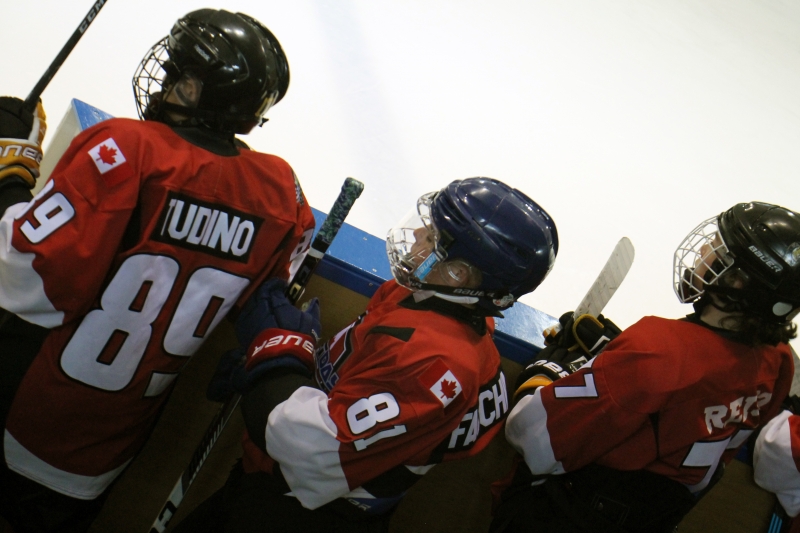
(109, 344)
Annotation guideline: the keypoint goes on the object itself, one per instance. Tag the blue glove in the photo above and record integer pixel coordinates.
(230, 376)
(267, 315)
(268, 307)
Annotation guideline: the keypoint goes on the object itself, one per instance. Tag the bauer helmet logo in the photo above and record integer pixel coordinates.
(764, 259)
(202, 53)
(468, 292)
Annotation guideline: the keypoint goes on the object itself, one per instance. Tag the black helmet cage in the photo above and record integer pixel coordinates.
(238, 61)
(754, 244)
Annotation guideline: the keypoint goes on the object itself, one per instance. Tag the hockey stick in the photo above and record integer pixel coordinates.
(608, 281)
(351, 190)
(33, 97)
(779, 521)
(605, 285)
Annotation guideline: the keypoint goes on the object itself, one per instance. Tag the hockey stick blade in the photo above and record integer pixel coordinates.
(351, 190)
(33, 97)
(608, 281)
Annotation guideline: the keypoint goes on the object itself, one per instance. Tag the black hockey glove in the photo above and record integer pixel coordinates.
(21, 135)
(586, 333)
(552, 363)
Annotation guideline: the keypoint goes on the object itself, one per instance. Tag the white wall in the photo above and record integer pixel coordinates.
(621, 117)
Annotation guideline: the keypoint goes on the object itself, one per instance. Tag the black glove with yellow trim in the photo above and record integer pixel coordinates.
(21, 135)
(552, 363)
(586, 333)
(567, 349)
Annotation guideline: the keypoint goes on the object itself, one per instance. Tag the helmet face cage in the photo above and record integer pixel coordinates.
(149, 79)
(700, 260)
(413, 244)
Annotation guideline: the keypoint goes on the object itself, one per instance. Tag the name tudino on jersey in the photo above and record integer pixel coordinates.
(214, 229)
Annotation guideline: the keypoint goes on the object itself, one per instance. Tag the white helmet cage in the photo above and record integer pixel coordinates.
(700, 260)
(407, 257)
(412, 260)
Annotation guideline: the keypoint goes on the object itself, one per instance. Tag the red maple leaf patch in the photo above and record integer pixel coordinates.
(448, 389)
(107, 155)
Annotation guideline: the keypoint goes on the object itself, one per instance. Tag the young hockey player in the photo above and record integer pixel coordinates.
(147, 234)
(631, 440)
(336, 437)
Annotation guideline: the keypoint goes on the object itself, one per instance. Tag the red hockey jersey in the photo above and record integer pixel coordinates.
(402, 389)
(667, 396)
(139, 244)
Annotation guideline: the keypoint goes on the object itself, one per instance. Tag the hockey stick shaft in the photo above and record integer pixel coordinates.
(33, 97)
(351, 190)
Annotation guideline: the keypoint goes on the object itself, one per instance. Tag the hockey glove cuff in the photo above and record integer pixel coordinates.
(553, 363)
(21, 136)
(280, 348)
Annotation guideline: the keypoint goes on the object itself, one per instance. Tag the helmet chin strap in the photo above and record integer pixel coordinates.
(424, 295)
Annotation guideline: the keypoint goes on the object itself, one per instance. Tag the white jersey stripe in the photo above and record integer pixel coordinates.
(23, 462)
(775, 469)
(21, 288)
(526, 431)
(301, 436)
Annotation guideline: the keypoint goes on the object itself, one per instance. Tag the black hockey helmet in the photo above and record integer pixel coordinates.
(238, 63)
(510, 239)
(750, 256)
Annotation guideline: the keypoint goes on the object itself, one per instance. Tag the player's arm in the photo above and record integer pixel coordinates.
(67, 236)
(580, 416)
(356, 441)
(295, 245)
(776, 458)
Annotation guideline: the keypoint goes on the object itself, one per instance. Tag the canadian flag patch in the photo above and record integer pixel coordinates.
(106, 155)
(441, 382)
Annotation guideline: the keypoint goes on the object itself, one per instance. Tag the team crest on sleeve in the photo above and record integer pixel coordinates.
(106, 155)
(441, 382)
(298, 191)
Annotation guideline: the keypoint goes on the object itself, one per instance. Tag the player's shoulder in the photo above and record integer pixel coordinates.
(264, 158)
(125, 134)
(127, 127)
(654, 333)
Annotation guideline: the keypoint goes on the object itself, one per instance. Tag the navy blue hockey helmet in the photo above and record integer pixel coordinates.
(237, 64)
(497, 230)
(750, 256)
